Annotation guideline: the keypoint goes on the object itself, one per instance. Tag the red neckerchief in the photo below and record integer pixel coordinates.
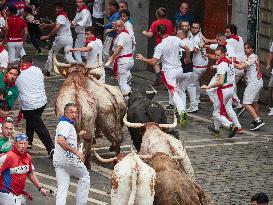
(233, 36)
(224, 59)
(124, 31)
(2, 119)
(93, 38)
(14, 150)
(2, 48)
(7, 82)
(25, 66)
(82, 8)
(62, 13)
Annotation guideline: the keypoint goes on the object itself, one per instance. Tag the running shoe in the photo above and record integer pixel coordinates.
(232, 130)
(216, 133)
(271, 112)
(183, 119)
(257, 125)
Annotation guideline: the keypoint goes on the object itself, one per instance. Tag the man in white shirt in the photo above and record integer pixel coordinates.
(93, 49)
(98, 16)
(199, 60)
(270, 70)
(33, 100)
(67, 160)
(122, 57)
(63, 38)
(254, 84)
(4, 56)
(172, 73)
(220, 90)
(80, 22)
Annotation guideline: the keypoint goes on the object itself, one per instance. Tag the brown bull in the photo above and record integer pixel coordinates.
(174, 187)
(109, 102)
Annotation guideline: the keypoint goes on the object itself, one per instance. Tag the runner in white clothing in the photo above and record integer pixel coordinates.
(81, 21)
(254, 84)
(93, 48)
(172, 74)
(122, 57)
(200, 60)
(220, 91)
(67, 160)
(4, 56)
(63, 38)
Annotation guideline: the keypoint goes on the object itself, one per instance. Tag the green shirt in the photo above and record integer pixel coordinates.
(11, 92)
(5, 145)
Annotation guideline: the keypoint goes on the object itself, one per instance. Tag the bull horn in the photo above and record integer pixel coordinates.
(59, 64)
(169, 126)
(96, 72)
(151, 92)
(132, 125)
(54, 59)
(99, 158)
(145, 156)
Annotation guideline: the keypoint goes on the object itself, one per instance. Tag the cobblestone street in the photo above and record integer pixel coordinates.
(231, 170)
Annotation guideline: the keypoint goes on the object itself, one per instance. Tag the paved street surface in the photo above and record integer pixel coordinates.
(231, 170)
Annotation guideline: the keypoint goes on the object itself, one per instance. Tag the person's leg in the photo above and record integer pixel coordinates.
(79, 43)
(67, 44)
(158, 75)
(11, 51)
(198, 72)
(35, 121)
(79, 170)
(6, 198)
(29, 133)
(55, 49)
(106, 49)
(191, 88)
(122, 77)
(63, 180)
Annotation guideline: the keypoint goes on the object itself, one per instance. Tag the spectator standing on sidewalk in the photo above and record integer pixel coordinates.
(184, 14)
(33, 100)
(270, 70)
(7, 82)
(16, 166)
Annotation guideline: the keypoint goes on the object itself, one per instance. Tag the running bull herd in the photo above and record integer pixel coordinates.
(161, 173)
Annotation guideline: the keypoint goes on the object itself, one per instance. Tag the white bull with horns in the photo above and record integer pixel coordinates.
(154, 140)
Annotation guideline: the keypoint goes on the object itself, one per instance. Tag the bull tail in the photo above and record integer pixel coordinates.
(133, 186)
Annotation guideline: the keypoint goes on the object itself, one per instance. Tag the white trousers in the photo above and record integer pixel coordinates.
(14, 50)
(64, 41)
(198, 73)
(188, 84)
(106, 48)
(11, 199)
(77, 169)
(79, 43)
(218, 118)
(124, 72)
(172, 79)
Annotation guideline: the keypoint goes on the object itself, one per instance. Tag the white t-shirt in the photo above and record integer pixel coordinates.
(271, 51)
(168, 52)
(199, 58)
(30, 84)
(124, 39)
(253, 72)
(95, 52)
(224, 69)
(4, 59)
(238, 47)
(230, 50)
(83, 19)
(65, 25)
(129, 27)
(98, 9)
(68, 131)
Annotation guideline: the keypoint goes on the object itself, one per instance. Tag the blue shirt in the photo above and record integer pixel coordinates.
(115, 17)
(178, 18)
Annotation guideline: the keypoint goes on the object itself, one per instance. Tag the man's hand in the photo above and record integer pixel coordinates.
(80, 155)
(139, 57)
(82, 133)
(42, 25)
(187, 60)
(71, 49)
(145, 33)
(99, 24)
(44, 38)
(44, 192)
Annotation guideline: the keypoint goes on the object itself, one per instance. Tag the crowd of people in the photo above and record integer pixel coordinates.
(180, 61)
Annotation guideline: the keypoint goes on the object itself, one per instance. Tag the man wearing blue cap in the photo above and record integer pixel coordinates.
(15, 166)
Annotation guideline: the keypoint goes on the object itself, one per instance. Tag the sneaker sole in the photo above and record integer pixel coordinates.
(255, 128)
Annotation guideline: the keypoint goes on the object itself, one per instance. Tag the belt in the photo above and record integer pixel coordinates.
(115, 68)
(196, 66)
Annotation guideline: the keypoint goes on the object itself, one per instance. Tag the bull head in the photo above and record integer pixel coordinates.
(60, 68)
(139, 125)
